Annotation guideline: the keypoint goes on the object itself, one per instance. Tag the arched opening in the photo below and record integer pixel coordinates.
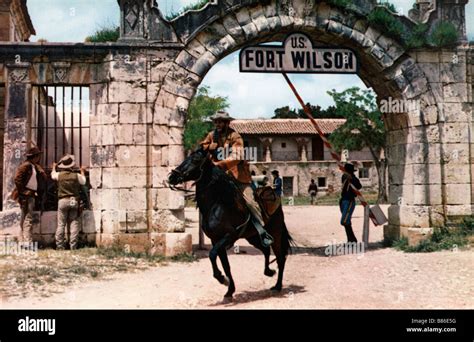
(384, 66)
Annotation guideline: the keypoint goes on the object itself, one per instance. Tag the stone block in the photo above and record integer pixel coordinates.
(137, 221)
(91, 221)
(105, 199)
(167, 199)
(127, 92)
(414, 216)
(131, 242)
(458, 194)
(133, 199)
(95, 177)
(125, 177)
(49, 222)
(160, 175)
(161, 135)
(168, 221)
(455, 92)
(10, 222)
(427, 57)
(170, 244)
(107, 113)
(139, 134)
(128, 68)
(113, 221)
(134, 113)
(131, 156)
(416, 235)
(175, 155)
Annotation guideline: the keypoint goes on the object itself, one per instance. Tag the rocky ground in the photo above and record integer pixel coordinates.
(378, 278)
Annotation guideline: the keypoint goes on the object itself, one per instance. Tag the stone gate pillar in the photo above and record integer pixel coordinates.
(133, 147)
(18, 89)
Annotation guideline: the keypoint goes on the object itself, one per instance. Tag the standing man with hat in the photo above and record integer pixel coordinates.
(224, 138)
(69, 187)
(277, 183)
(29, 177)
(347, 202)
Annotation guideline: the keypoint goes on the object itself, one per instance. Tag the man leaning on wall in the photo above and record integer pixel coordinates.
(29, 177)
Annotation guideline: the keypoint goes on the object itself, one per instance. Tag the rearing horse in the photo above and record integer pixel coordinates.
(226, 218)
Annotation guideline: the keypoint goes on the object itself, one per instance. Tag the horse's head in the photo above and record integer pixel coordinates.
(190, 169)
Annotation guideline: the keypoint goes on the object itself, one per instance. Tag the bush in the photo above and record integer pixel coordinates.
(105, 34)
(444, 34)
(344, 4)
(418, 36)
(387, 23)
(442, 239)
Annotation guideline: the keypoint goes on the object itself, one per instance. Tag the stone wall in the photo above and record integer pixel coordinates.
(2, 130)
(302, 174)
(141, 88)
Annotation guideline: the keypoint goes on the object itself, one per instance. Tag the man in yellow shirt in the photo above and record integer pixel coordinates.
(224, 139)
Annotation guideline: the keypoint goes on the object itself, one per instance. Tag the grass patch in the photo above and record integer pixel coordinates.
(442, 239)
(386, 22)
(105, 34)
(444, 34)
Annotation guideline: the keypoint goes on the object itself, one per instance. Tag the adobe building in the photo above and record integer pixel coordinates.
(295, 149)
(122, 107)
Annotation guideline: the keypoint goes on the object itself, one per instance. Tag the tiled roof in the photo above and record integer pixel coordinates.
(285, 126)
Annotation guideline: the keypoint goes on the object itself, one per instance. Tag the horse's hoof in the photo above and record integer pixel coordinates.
(226, 281)
(269, 272)
(227, 300)
(276, 289)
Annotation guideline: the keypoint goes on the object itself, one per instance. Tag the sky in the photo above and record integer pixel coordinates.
(249, 95)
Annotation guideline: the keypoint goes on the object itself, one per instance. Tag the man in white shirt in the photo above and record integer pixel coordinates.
(27, 180)
(69, 188)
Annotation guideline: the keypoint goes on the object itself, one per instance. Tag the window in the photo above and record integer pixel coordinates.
(364, 172)
(288, 186)
(321, 182)
(283, 145)
(59, 126)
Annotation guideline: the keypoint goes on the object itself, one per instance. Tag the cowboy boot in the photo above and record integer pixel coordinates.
(265, 238)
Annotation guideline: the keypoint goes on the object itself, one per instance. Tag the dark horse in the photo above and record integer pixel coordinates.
(226, 218)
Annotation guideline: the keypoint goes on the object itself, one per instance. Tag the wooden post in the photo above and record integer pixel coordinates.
(365, 233)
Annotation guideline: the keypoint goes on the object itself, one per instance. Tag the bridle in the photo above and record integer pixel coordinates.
(183, 175)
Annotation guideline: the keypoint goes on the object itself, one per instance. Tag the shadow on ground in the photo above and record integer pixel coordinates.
(255, 296)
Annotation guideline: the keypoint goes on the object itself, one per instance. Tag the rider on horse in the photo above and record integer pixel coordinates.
(222, 139)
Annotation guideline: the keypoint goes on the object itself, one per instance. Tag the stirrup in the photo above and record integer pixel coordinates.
(266, 239)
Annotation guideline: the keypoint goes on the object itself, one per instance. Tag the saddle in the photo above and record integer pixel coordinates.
(268, 200)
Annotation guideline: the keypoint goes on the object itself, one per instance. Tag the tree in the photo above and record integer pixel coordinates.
(364, 128)
(202, 106)
(317, 111)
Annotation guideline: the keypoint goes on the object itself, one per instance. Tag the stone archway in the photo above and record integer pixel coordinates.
(425, 188)
(141, 87)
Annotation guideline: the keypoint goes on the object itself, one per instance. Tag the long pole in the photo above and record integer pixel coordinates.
(326, 142)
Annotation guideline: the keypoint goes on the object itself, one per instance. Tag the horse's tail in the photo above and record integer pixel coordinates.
(287, 241)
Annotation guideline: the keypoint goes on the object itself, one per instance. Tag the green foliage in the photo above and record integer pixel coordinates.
(389, 6)
(442, 239)
(364, 126)
(344, 4)
(200, 109)
(385, 21)
(105, 34)
(444, 34)
(196, 6)
(317, 111)
(418, 37)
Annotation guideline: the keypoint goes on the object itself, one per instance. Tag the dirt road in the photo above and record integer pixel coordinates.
(378, 278)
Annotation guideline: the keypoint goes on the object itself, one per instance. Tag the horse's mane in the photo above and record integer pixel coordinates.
(225, 189)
